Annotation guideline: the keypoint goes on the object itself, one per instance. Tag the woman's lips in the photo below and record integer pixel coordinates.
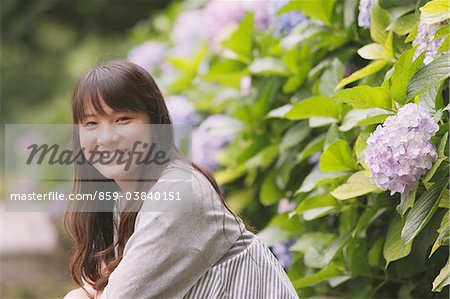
(111, 154)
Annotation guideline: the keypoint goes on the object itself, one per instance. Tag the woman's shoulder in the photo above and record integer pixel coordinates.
(180, 174)
(181, 188)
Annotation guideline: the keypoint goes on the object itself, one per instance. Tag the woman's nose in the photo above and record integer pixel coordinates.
(107, 135)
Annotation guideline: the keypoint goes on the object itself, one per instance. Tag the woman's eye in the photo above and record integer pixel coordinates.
(90, 124)
(123, 119)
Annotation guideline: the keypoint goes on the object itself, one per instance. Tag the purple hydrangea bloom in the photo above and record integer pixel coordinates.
(364, 13)
(180, 109)
(220, 14)
(213, 134)
(399, 152)
(188, 27)
(285, 205)
(424, 41)
(148, 54)
(282, 253)
(284, 23)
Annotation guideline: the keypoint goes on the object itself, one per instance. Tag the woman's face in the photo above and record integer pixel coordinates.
(108, 139)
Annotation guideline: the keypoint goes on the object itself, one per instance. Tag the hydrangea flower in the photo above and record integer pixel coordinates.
(285, 205)
(180, 109)
(148, 54)
(399, 152)
(220, 14)
(213, 134)
(364, 13)
(282, 253)
(284, 23)
(424, 41)
(188, 27)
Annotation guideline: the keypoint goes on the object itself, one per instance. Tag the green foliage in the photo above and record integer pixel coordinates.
(317, 94)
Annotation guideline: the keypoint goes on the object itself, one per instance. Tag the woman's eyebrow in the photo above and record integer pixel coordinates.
(112, 113)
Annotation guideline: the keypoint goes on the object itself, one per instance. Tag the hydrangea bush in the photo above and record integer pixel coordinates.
(338, 151)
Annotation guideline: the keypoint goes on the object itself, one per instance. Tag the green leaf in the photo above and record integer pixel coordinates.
(360, 145)
(317, 177)
(375, 252)
(240, 40)
(359, 258)
(322, 275)
(389, 4)
(429, 76)
(314, 106)
(406, 201)
(358, 184)
(294, 135)
(379, 20)
(337, 157)
(229, 174)
(241, 199)
(369, 215)
(269, 193)
(322, 10)
(320, 201)
(444, 234)
(404, 24)
(394, 248)
(445, 200)
(443, 278)
(440, 159)
(271, 235)
(369, 69)
(362, 97)
(404, 69)
(372, 51)
(264, 158)
(375, 117)
(429, 99)
(335, 247)
(227, 72)
(423, 210)
(268, 66)
(362, 117)
(314, 146)
(435, 11)
(331, 77)
(313, 246)
(280, 111)
(318, 121)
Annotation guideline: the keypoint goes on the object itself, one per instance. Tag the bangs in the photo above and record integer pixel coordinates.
(110, 86)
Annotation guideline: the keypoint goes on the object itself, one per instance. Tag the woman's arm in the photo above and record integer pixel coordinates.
(78, 294)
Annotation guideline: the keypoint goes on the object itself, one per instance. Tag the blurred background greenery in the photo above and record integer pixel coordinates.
(45, 46)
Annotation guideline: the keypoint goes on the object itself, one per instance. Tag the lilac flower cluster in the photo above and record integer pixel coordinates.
(282, 253)
(181, 110)
(400, 152)
(220, 14)
(148, 55)
(425, 41)
(284, 23)
(364, 13)
(188, 27)
(213, 134)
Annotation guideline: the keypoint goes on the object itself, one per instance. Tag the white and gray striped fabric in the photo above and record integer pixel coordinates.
(254, 273)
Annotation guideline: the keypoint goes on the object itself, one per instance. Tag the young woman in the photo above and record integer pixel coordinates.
(192, 246)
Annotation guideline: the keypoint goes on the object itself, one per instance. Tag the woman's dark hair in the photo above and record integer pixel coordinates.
(123, 86)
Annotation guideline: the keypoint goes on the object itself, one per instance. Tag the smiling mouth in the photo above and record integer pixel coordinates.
(111, 154)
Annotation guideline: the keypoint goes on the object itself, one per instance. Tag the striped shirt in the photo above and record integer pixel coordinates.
(204, 252)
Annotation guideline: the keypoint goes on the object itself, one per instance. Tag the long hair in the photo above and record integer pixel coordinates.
(123, 86)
